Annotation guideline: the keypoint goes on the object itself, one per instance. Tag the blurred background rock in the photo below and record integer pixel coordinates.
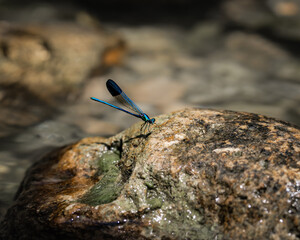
(240, 55)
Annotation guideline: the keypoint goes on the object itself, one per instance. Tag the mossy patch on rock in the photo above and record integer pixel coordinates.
(108, 188)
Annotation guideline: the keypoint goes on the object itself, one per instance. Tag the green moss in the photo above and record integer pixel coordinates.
(155, 203)
(149, 184)
(110, 185)
(108, 160)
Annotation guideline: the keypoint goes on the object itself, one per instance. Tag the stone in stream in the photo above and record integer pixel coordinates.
(197, 174)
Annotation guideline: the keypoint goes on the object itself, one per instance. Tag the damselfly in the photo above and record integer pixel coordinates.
(117, 92)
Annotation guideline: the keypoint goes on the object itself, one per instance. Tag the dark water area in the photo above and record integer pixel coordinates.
(166, 55)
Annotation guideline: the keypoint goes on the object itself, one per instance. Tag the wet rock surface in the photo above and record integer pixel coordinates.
(198, 174)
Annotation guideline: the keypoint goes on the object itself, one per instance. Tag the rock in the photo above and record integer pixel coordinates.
(256, 52)
(56, 57)
(45, 65)
(204, 38)
(250, 13)
(197, 174)
(279, 18)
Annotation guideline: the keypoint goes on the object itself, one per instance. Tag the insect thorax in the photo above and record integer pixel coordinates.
(146, 118)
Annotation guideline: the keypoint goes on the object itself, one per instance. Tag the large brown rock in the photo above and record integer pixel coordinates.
(197, 174)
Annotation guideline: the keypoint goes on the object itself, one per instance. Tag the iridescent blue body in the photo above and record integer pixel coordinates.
(117, 92)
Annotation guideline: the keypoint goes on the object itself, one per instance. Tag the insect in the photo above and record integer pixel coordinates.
(117, 92)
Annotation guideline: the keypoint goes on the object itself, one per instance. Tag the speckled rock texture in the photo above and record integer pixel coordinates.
(197, 174)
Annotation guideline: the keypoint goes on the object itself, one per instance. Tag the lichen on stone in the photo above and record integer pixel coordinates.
(108, 188)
